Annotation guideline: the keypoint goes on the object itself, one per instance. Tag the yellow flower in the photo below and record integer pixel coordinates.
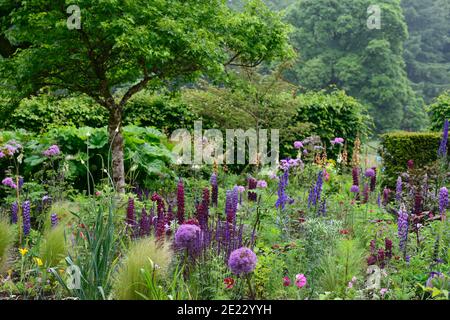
(23, 251)
(38, 262)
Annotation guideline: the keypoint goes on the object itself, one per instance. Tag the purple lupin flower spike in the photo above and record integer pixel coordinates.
(443, 200)
(26, 210)
(403, 224)
(398, 189)
(130, 218)
(180, 202)
(442, 151)
(229, 206)
(54, 220)
(214, 190)
(14, 211)
(144, 225)
(282, 184)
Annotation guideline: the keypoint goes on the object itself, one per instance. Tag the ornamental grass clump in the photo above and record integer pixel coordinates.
(6, 239)
(145, 256)
(53, 247)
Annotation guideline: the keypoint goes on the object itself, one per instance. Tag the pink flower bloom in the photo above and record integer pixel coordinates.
(354, 279)
(350, 285)
(2, 154)
(261, 184)
(286, 281)
(300, 280)
(52, 151)
(383, 291)
(337, 141)
(241, 189)
(9, 183)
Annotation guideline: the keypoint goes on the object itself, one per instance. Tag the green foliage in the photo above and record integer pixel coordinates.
(397, 148)
(53, 247)
(427, 50)
(339, 49)
(146, 260)
(6, 239)
(439, 110)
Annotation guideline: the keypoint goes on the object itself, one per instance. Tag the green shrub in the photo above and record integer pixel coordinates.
(397, 148)
(439, 110)
(5, 242)
(144, 256)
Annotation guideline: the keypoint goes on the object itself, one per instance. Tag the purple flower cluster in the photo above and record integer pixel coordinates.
(144, 224)
(180, 201)
(282, 196)
(187, 235)
(354, 189)
(298, 144)
(9, 182)
(252, 184)
(373, 179)
(443, 200)
(261, 184)
(214, 190)
(386, 192)
(14, 211)
(339, 141)
(316, 192)
(231, 204)
(54, 220)
(287, 164)
(442, 151)
(370, 173)
(10, 149)
(26, 211)
(398, 189)
(242, 261)
(403, 226)
(52, 151)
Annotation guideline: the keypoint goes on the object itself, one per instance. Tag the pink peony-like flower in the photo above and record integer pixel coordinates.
(300, 280)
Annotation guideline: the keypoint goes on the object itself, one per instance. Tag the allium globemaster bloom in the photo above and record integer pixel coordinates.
(52, 151)
(369, 173)
(242, 261)
(354, 189)
(186, 235)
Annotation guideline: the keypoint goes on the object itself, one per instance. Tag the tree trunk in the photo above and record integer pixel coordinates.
(116, 142)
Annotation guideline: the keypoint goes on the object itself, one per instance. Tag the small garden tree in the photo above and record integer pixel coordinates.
(122, 47)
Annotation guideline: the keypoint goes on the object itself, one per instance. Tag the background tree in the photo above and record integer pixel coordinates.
(339, 49)
(135, 45)
(427, 51)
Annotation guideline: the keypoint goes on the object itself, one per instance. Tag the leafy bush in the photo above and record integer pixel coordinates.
(397, 148)
(439, 110)
(146, 255)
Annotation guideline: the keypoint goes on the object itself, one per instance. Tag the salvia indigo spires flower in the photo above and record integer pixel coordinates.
(242, 261)
(180, 202)
(442, 152)
(52, 151)
(214, 190)
(14, 211)
(443, 200)
(282, 196)
(26, 210)
(403, 225)
(398, 189)
(54, 220)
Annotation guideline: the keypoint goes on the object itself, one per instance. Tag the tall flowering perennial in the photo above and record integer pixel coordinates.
(443, 200)
(402, 224)
(252, 184)
(9, 182)
(398, 189)
(144, 224)
(14, 211)
(26, 210)
(131, 217)
(231, 204)
(373, 180)
(242, 261)
(282, 196)
(214, 190)
(355, 176)
(54, 220)
(442, 151)
(316, 191)
(160, 222)
(365, 193)
(203, 209)
(180, 202)
(52, 151)
(386, 192)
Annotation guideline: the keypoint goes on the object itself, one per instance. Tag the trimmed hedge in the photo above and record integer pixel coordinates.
(396, 148)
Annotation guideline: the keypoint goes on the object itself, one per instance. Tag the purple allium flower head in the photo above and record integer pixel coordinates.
(14, 211)
(52, 151)
(369, 173)
(354, 189)
(442, 152)
(54, 220)
(180, 201)
(9, 182)
(26, 210)
(443, 200)
(261, 184)
(242, 261)
(403, 226)
(298, 144)
(187, 235)
(214, 190)
(398, 189)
